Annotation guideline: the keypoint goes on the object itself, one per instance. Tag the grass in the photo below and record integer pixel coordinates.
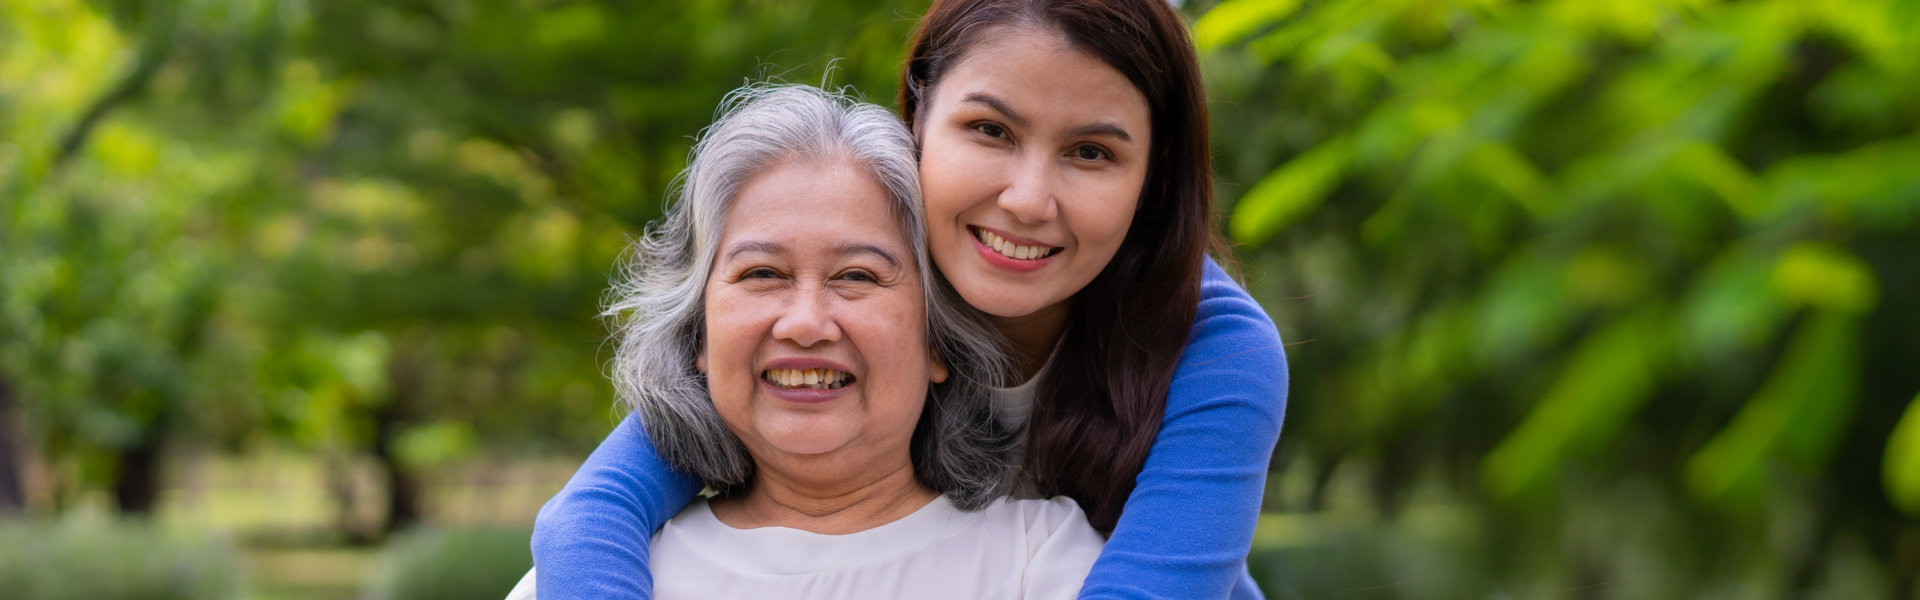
(287, 521)
(309, 573)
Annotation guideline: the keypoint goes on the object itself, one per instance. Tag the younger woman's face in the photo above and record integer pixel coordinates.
(1033, 155)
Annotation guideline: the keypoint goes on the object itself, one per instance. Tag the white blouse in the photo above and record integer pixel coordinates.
(1031, 549)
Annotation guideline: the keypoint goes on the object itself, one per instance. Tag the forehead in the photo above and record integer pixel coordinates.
(1040, 71)
(814, 200)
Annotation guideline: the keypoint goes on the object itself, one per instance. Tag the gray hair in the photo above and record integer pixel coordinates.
(657, 304)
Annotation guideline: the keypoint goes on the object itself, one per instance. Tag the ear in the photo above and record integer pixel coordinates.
(936, 368)
(700, 360)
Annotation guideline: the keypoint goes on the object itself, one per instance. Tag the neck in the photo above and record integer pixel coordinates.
(1033, 336)
(776, 499)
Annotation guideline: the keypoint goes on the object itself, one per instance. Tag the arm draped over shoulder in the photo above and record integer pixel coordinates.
(1188, 524)
(591, 539)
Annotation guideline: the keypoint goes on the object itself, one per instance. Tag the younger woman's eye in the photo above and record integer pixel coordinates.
(1089, 152)
(991, 130)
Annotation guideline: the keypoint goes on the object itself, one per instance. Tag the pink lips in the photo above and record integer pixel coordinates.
(997, 259)
(805, 395)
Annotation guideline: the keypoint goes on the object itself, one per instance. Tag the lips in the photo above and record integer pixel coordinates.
(807, 380)
(1014, 248)
(817, 378)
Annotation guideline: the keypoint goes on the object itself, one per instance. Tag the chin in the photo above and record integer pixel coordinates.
(997, 303)
(808, 447)
(806, 440)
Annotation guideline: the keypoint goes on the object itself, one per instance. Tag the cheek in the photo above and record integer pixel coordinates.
(1102, 218)
(953, 178)
(895, 339)
(733, 329)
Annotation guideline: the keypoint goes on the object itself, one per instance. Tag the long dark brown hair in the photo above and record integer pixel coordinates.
(1102, 400)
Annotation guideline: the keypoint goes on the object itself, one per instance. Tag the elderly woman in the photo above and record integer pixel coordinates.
(784, 340)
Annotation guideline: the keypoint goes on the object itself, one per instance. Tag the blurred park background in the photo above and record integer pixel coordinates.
(1585, 299)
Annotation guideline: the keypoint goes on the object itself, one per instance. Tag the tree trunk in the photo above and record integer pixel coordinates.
(403, 485)
(346, 500)
(406, 371)
(13, 446)
(136, 479)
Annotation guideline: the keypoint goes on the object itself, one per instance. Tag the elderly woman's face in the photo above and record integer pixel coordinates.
(816, 326)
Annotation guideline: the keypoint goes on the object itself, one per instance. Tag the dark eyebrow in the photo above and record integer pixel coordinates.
(1107, 129)
(876, 251)
(997, 105)
(1102, 128)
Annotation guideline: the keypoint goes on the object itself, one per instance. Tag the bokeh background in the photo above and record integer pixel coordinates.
(1584, 299)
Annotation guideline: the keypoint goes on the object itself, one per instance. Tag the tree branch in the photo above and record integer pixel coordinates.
(131, 85)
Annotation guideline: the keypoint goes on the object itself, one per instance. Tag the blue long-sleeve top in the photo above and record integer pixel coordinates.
(1184, 532)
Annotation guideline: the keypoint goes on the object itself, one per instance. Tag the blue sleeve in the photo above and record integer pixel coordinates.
(1186, 528)
(590, 540)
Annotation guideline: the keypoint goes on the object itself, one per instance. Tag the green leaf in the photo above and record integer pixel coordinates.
(1874, 184)
(1729, 308)
(1793, 420)
(1902, 465)
(1825, 277)
(1713, 169)
(1513, 174)
(1289, 193)
(1607, 380)
(436, 444)
(1234, 20)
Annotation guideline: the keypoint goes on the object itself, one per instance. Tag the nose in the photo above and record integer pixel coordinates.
(809, 318)
(1029, 197)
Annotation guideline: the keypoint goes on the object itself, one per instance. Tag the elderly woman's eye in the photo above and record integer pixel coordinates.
(759, 273)
(861, 276)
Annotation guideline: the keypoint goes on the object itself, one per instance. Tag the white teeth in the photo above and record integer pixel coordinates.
(1010, 249)
(819, 379)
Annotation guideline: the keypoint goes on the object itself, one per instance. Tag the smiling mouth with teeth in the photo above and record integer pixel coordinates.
(1010, 249)
(818, 379)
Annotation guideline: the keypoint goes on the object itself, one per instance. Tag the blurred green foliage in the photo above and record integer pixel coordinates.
(452, 564)
(1589, 299)
(1546, 251)
(79, 560)
(238, 223)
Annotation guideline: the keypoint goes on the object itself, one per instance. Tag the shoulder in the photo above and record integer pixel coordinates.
(1036, 514)
(1041, 523)
(1056, 521)
(1233, 341)
(1227, 309)
(1059, 544)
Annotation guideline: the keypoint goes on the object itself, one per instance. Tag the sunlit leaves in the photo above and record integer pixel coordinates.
(1233, 20)
(1792, 422)
(1289, 193)
(1902, 463)
(1713, 169)
(1876, 184)
(1731, 308)
(1652, 241)
(1825, 277)
(436, 443)
(1595, 395)
(308, 103)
